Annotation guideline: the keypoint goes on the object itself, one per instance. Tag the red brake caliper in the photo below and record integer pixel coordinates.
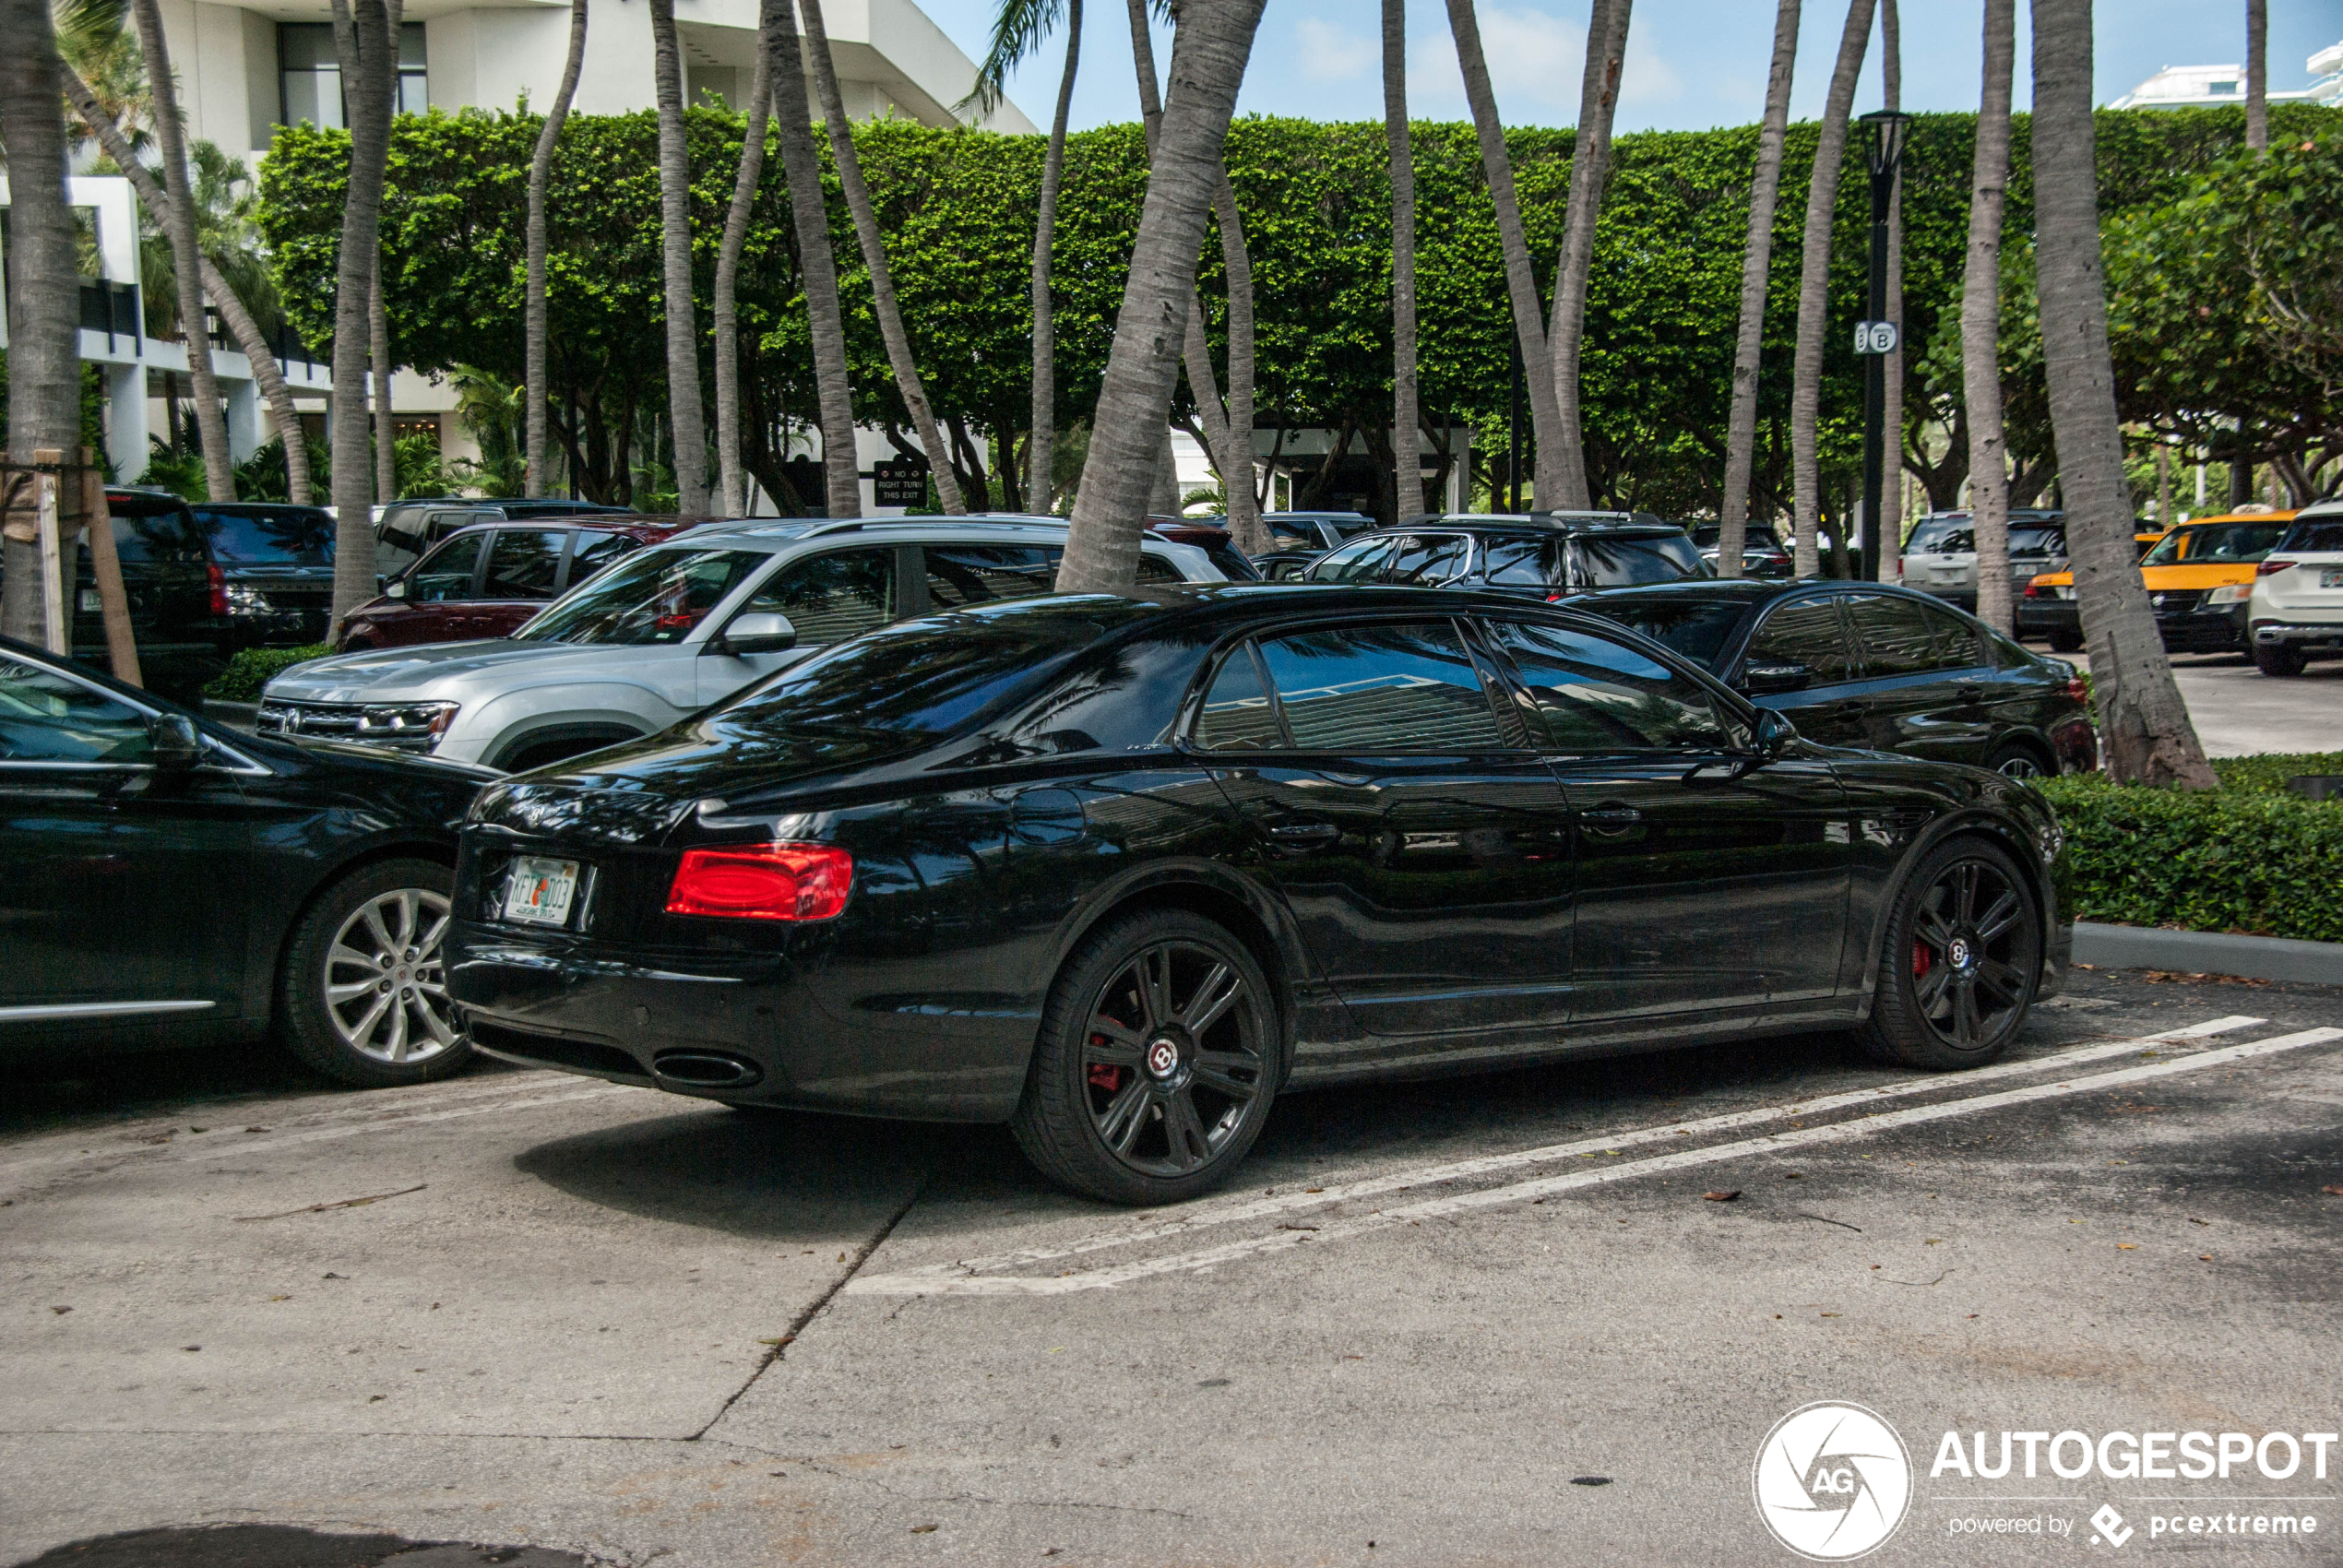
(1923, 960)
(1103, 1074)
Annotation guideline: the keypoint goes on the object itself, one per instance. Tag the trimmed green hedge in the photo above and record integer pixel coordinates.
(2248, 857)
(254, 668)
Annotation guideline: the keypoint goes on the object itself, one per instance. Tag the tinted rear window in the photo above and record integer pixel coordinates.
(2323, 537)
(1622, 563)
(301, 536)
(1699, 629)
(1932, 536)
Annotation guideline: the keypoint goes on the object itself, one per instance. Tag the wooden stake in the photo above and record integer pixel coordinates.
(53, 587)
(122, 649)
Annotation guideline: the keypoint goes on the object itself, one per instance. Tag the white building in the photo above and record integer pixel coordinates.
(243, 69)
(2209, 86)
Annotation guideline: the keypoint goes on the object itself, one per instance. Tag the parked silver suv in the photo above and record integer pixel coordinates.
(1940, 557)
(674, 628)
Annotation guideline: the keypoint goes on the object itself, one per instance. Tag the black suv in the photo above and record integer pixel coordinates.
(408, 527)
(1549, 554)
(277, 563)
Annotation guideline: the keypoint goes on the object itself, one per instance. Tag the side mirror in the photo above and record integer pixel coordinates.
(1772, 680)
(175, 745)
(757, 632)
(1774, 734)
(395, 589)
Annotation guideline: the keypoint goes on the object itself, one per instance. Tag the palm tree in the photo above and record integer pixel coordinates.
(217, 175)
(536, 375)
(1590, 160)
(686, 423)
(378, 351)
(2257, 76)
(891, 315)
(1018, 29)
(1740, 427)
(1134, 396)
(817, 264)
(2143, 723)
(1406, 417)
(367, 42)
(1980, 322)
(1814, 285)
(732, 478)
(211, 422)
(43, 285)
(1164, 494)
(1891, 524)
(1521, 282)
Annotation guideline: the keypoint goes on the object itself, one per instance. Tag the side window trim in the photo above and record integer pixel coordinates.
(1728, 719)
(1208, 676)
(1354, 622)
(571, 538)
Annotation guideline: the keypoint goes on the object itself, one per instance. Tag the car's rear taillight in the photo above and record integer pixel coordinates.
(2079, 689)
(2032, 592)
(2271, 568)
(218, 580)
(782, 881)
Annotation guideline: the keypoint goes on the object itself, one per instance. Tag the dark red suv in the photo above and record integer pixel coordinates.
(484, 581)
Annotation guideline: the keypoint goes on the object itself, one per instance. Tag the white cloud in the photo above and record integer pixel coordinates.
(1536, 62)
(1326, 53)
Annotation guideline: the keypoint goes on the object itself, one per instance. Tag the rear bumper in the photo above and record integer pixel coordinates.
(2039, 617)
(2310, 636)
(2201, 631)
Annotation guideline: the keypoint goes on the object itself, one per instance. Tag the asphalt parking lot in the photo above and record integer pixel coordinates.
(1479, 1320)
(2239, 711)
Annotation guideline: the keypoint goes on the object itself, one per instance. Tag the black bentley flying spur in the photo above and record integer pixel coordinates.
(1115, 870)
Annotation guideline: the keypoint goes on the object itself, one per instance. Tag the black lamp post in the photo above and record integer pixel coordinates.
(1877, 337)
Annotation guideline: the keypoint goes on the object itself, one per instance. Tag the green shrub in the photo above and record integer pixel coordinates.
(252, 670)
(2248, 857)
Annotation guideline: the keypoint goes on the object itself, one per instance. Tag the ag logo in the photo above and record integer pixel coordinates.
(1832, 1481)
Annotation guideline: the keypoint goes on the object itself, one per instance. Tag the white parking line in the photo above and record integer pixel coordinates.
(924, 1284)
(1236, 1209)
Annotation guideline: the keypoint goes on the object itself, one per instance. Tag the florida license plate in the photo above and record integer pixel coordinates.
(2331, 576)
(537, 891)
(90, 603)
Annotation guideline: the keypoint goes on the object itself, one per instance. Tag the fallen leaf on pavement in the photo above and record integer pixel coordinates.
(341, 1203)
(61, 1311)
(2127, 1246)
(782, 1340)
(924, 1529)
(2333, 1192)
(1724, 1197)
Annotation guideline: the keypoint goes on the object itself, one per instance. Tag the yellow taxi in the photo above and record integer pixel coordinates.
(2199, 578)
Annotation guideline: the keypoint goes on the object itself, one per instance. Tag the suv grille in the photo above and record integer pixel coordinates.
(335, 721)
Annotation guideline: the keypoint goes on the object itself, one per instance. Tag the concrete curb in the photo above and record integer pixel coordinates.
(2206, 952)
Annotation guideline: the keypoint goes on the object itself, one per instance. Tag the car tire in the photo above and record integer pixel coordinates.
(2279, 659)
(1156, 1063)
(2066, 642)
(1962, 957)
(2020, 761)
(362, 995)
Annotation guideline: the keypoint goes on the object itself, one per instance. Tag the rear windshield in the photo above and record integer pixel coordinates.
(1232, 561)
(1700, 629)
(2216, 543)
(295, 537)
(1653, 558)
(2037, 543)
(925, 677)
(1935, 536)
(655, 595)
(2320, 538)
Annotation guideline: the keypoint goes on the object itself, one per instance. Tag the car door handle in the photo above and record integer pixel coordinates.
(1611, 820)
(1304, 835)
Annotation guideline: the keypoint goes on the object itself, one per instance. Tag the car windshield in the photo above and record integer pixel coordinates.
(655, 597)
(924, 677)
(294, 537)
(1652, 558)
(2216, 543)
(2320, 539)
(1936, 536)
(1697, 629)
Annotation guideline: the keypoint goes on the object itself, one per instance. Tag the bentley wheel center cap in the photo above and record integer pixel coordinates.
(1163, 1058)
(1958, 953)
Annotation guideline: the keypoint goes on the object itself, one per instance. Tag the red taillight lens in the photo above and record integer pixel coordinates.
(2271, 568)
(763, 882)
(2032, 592)
(2079, 689)
(217, 579)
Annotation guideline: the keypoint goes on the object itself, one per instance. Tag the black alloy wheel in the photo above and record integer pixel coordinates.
(1963, 956)
(1156, 1063)
(2016, 762)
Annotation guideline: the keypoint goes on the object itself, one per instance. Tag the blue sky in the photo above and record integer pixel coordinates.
(1691, 64)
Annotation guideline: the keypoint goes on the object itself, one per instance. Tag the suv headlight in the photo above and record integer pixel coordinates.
(418, 725)
(2230, 593)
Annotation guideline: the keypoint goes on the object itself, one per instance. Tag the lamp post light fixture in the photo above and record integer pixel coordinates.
(1875, 338)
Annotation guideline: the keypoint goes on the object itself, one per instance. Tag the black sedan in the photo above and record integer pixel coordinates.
(170, 883)
(1116, 870)
(1864, 664)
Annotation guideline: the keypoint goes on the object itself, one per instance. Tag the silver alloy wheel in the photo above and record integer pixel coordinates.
(2019, 765)
(386, 983)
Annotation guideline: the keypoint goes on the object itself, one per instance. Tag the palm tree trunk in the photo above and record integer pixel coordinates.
(1135, 396)
(1589, 163)
(266, 372)
(686, 423)
(1164, 489)
(817, 265)
(1891, 524)
(44, 282)
(1407, 419)
(732, 478)
(378, 351)
(536, 375)
(908, 385)
(2143, 723)
(369, 51)
(1521, 281)
(211, 423)
(1042, 446)
(1740, 427)
(1813, 286)
(1980, 322)
(2257, 76)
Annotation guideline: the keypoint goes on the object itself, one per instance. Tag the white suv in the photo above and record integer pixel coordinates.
(673, 628)
(2296, 613)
